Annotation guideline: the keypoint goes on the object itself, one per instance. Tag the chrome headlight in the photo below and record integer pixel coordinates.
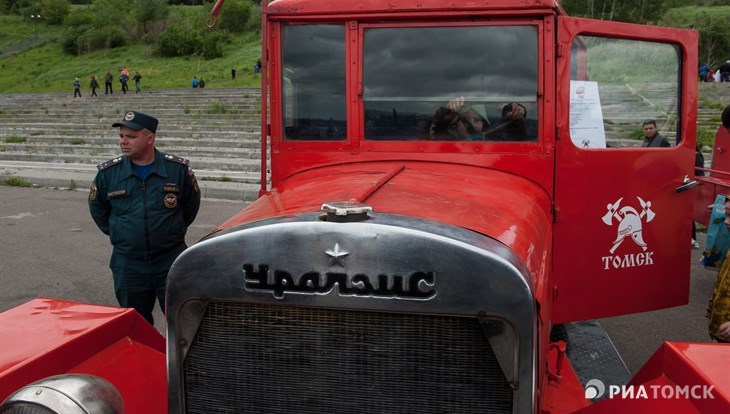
(65, 394)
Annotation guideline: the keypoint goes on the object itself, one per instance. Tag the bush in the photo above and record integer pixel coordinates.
(148, 12)
(84, 39)
(235, 16)
(212, 45)
(77, 23)
(55, 11)
(152, 30)
(108, 37)
(178, 40)
(79, 19)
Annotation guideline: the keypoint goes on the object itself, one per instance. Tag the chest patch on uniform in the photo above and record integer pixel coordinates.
(116, 193)
(170, 189)
(170, 200)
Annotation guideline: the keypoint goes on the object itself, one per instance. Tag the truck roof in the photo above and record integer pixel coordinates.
(304, 7)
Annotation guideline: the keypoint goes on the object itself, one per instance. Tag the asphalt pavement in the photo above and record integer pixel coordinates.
(50, 247)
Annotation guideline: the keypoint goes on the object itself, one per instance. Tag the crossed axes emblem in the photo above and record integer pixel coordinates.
(629, 221)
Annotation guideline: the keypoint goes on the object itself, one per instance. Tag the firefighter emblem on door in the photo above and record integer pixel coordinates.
(629, 224)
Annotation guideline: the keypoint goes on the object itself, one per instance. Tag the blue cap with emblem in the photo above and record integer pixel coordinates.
(137, 121)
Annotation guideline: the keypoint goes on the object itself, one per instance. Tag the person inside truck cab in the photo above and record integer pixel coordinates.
(463, 121)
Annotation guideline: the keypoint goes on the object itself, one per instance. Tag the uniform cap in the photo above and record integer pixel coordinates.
(137, 121)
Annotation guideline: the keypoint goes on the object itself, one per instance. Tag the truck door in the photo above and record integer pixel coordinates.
(623, 231)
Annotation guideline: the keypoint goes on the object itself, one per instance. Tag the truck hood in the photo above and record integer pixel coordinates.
(503, 206)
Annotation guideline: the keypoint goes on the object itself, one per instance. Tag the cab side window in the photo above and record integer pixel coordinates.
(624, 93)
(314, 104)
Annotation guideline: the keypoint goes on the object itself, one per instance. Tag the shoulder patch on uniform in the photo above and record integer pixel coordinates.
(175, 158)
(106, 164)
(92, 192)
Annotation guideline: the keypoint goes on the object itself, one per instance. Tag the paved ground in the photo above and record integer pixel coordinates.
(50, 247)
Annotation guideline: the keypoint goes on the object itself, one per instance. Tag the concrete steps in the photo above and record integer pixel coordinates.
(623, 106)
(53, 139)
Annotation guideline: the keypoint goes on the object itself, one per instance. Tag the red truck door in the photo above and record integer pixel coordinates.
(623, 211)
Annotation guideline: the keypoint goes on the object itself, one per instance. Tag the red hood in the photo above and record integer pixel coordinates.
(506, 207)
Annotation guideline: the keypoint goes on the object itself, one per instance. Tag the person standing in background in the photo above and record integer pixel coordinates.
(699, 163)
(108, 79)
(94, 84)
(77, 87)
(137, 78)
(652, 138)
(718, 308)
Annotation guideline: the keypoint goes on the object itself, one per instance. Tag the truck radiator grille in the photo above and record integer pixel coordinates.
(279, 359)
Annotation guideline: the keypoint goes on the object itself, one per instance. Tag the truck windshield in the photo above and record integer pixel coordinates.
(453, 83)
(411, 75)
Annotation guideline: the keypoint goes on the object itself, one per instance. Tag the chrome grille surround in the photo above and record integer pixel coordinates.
(451, 284)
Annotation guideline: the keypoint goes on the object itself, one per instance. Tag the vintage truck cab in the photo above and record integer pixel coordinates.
(443, 184)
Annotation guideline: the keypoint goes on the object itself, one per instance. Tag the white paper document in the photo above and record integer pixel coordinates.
(586, 117)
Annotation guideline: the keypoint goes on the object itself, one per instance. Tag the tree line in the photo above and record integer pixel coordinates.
(711, 18)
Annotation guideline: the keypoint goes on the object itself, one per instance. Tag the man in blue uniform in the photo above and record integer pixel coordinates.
(144, 200)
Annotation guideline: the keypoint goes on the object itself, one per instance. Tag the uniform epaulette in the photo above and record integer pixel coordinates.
(106, 164)
(175, 158)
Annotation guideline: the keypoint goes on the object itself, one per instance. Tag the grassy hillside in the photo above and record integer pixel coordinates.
(31, 60)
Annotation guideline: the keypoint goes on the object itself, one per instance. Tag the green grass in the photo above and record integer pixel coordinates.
(707, 103)
(706, 136)
(16, 182)
(15, 139)
(15, 29)
(47, 68)
(222, 179)
(220, 108)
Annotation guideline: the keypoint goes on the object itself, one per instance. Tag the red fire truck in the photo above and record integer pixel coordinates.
(449, 196)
